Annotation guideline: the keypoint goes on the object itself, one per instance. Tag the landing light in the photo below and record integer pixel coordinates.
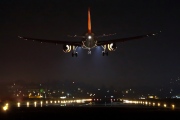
(89, 37)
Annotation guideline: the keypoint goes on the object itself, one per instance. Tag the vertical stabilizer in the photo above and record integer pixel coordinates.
(89, 21)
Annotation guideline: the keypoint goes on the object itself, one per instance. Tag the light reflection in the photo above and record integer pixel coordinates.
(165, 105)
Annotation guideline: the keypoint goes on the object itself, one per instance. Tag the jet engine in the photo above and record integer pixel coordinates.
(66, 48)
(112, 47)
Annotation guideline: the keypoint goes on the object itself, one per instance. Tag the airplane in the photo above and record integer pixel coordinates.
(89, 41)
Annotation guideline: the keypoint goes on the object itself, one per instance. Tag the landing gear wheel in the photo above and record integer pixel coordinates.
(76, 54)
(89, 52)
(72, 54)
(105, 53)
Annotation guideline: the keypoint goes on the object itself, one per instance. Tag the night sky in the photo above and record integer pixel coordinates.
(151, 61)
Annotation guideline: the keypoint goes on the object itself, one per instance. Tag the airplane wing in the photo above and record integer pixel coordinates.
(76, 36)
(104, 35)
(76, 43)
(125, 39)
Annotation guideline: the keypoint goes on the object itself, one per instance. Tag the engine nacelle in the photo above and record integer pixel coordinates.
(112, 47)
(66, 48)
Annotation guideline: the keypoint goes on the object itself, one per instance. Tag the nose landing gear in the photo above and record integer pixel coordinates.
(89, 52)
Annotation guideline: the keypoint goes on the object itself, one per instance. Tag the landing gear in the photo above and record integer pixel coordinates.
(74, 53)
(104, 53)
(89, 52)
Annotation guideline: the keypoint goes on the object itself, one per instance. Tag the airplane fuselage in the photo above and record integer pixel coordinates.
(89, 42)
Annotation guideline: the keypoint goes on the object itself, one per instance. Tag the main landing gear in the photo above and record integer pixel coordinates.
(104, 51)
(74, 53)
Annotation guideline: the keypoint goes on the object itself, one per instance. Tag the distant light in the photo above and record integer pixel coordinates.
(18, 104)
(165, 105)
(5, 107)
(63, 97)
(35, 104)
(27, 104)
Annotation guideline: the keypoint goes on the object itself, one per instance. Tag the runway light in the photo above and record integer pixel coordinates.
(41, 103)
(5, 107)
(165, 105)
(146, 103)
(18, 104)
(173, 106)
(27, 104)
(34, 104)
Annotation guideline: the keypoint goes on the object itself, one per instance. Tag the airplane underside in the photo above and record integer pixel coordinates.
(75, 53)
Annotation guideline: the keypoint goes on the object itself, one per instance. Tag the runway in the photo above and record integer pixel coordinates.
(89, 112)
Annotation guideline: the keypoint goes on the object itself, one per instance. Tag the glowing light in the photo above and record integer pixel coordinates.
(27, 104)
(6, 107)
(149, 103)
(89, 37)
(173, 106)
(41, 103)
(146, 103)
(35, 104)
(165, 105)
(18, 104)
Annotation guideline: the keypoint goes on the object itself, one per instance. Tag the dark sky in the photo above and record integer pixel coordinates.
(149, 61)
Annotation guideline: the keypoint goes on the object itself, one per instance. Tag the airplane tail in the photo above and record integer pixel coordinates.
(89, 21)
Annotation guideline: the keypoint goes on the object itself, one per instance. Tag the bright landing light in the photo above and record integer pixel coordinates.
(89, 37)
